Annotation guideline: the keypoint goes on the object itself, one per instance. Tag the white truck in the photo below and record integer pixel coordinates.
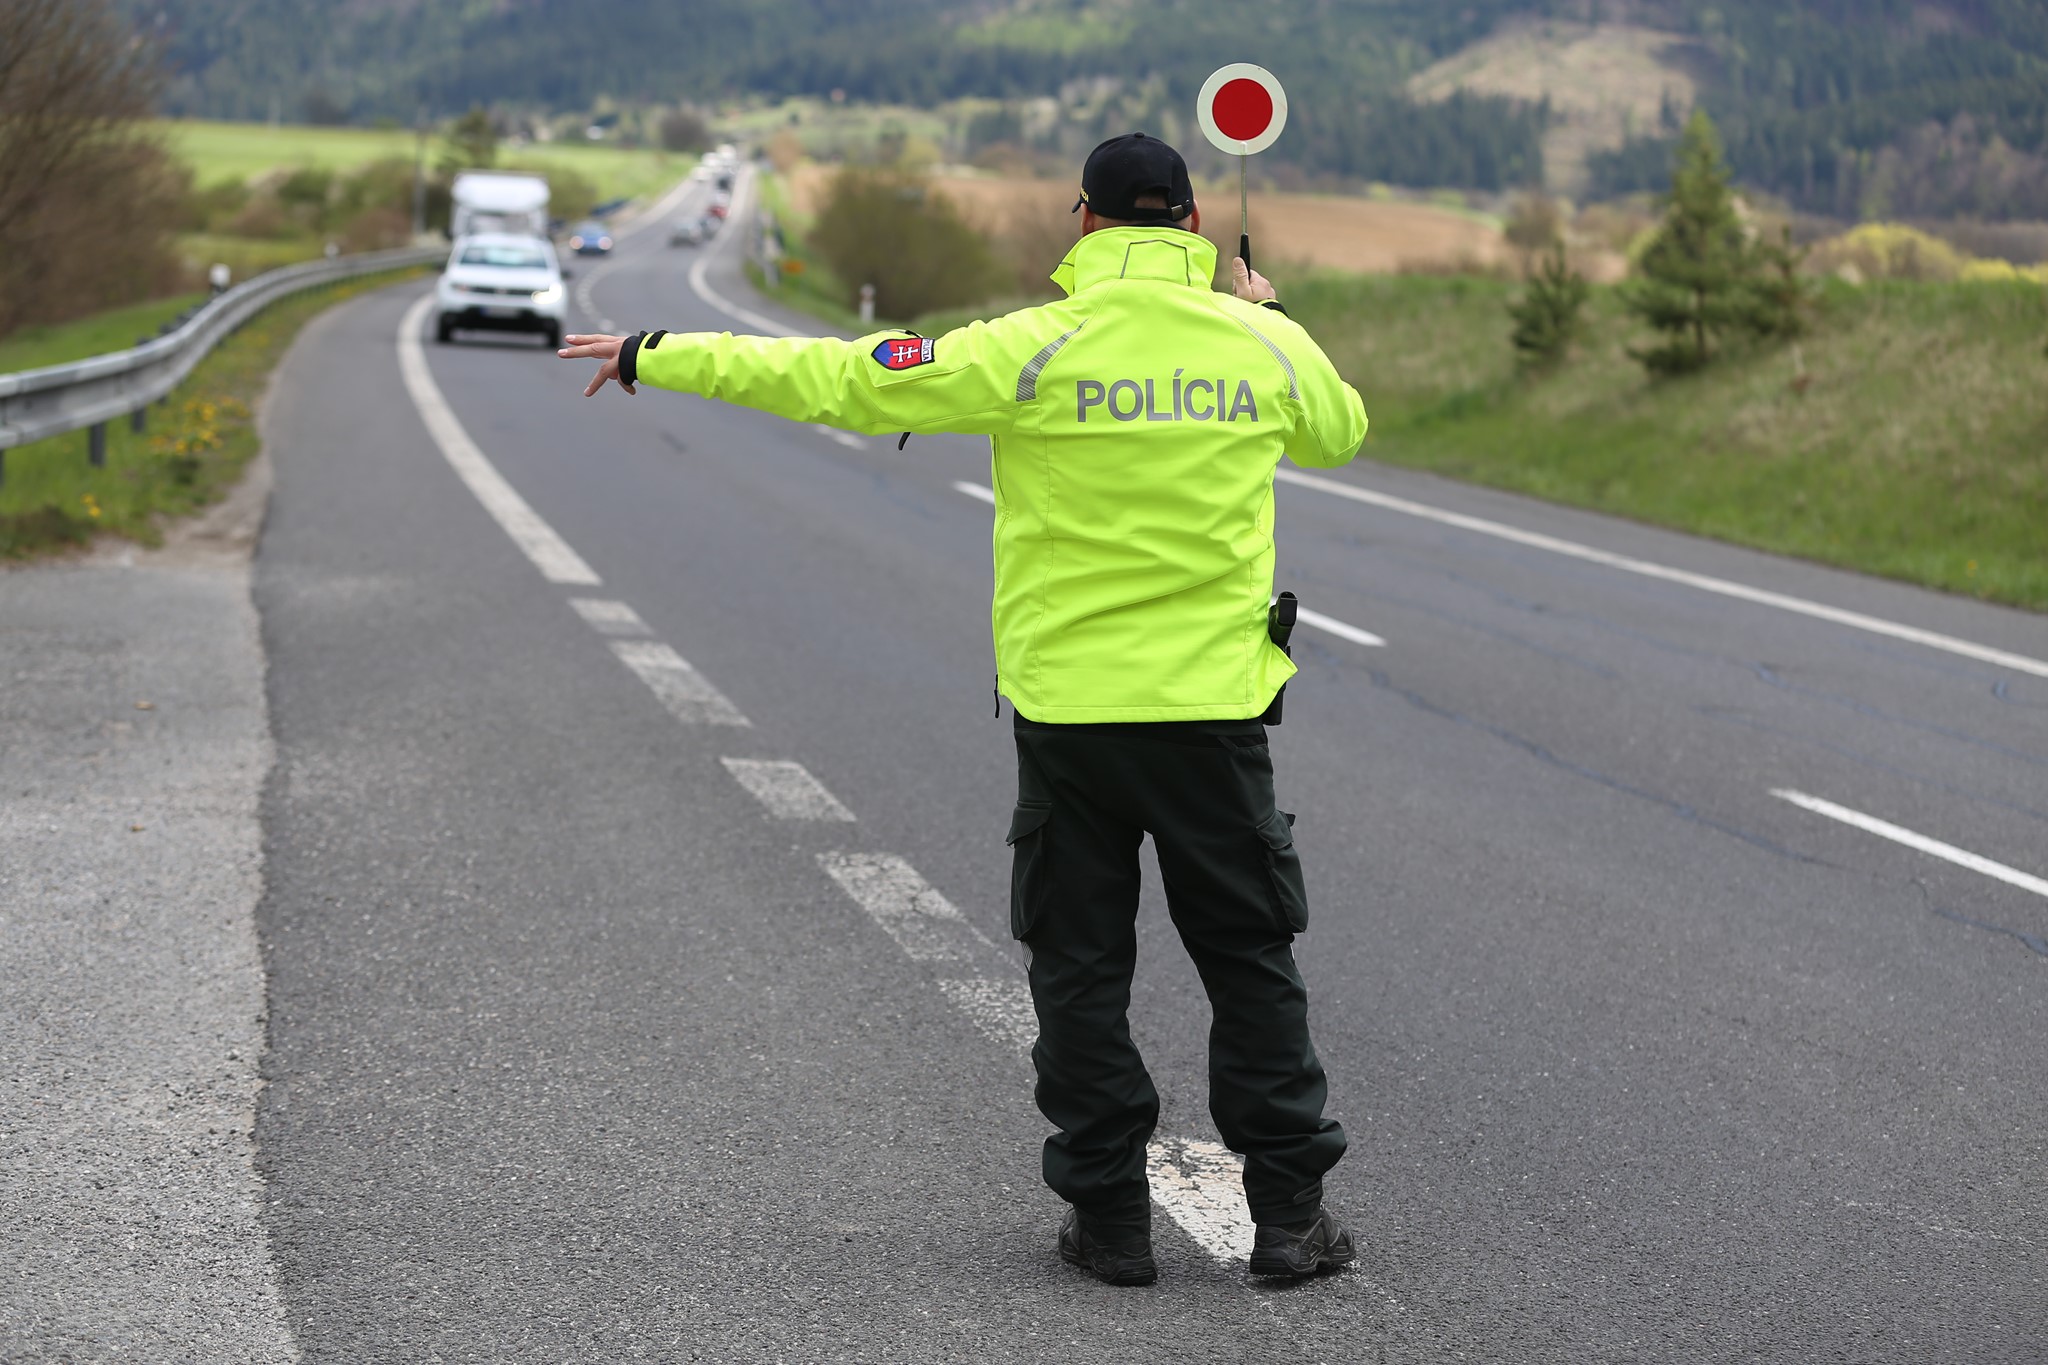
(514, 202)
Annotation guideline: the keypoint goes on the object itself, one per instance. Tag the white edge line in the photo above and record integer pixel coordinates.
(548, 551)
(1724, 587)
(1343, 630)
(975, 490)
(1898, 834)
(735, 221)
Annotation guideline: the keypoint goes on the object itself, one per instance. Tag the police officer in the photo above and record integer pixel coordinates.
(1135, 428)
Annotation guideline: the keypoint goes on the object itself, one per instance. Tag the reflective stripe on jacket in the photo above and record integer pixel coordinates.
(1135, 427)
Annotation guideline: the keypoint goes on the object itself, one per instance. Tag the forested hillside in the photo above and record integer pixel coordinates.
(1905, 105)
(1872, 107)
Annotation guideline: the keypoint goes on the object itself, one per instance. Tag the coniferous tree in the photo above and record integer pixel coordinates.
(1547, 315)
(1698, 273)
(471, 142)
(1779, 299)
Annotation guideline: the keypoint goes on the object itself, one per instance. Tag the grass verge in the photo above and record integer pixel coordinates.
(194, 450)
(1905, 436)
(117, 329)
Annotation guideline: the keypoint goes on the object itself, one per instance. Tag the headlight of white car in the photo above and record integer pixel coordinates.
(549, 295)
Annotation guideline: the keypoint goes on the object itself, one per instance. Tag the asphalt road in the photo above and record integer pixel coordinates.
(579, 1052)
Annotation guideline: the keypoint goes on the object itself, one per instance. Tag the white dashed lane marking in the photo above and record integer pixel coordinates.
(610, 618)
(1899, 834)
(1343, 630)
(975, 490)
(687, 694)
(927, 926)
(1000, 1007)
(1201, 1184)
(548, 551)
(786, 788)
(845, 438)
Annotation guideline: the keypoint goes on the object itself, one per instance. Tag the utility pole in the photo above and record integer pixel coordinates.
(419, 175)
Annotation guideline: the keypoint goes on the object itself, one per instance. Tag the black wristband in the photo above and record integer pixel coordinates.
(629, 372)
(1273, 304)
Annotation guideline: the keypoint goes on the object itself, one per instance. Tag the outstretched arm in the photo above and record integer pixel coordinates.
(890, 381)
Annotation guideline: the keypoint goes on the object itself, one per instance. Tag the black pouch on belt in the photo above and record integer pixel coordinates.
(1280, 628)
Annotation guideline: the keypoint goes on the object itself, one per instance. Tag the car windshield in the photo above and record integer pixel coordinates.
(512, 257)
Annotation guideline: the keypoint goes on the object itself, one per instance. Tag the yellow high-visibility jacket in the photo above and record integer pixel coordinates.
(1135, 427)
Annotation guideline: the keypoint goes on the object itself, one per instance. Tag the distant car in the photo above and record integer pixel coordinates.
(590, 238)
(693, 231)
(719, 207)
(500, 282)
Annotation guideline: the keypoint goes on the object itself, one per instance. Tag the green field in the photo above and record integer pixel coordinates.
(115, 330)
(240, 151)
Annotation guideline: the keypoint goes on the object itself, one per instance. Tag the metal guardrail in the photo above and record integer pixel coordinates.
(35, 404)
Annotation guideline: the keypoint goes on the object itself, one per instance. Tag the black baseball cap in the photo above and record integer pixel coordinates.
(1125, 167)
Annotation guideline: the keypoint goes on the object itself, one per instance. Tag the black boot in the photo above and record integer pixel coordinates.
(1298, 1250)
(1126, 1260)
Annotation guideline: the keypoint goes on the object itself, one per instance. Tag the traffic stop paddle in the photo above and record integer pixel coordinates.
(1242, 110)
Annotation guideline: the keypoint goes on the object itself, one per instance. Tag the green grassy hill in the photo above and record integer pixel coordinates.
(1905, 436)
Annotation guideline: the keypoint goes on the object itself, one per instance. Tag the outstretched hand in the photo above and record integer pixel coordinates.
(1245, 282)
(597, 347)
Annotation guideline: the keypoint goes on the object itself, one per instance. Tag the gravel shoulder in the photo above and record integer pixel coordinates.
(132, 1005)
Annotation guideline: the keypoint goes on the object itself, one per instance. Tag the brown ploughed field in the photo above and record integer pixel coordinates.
(1336, 232)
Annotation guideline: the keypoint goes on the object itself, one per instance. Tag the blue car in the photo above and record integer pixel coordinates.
(590, 239)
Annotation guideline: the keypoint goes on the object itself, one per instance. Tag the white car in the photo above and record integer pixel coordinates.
(499, 282)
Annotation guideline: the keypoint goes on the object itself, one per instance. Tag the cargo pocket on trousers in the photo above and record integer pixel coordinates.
(1283, 872)
(1030, 874)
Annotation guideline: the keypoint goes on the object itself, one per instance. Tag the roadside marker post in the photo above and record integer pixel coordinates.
(1242, 110)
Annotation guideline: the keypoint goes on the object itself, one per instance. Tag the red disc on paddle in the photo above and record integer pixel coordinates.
(1241, 108)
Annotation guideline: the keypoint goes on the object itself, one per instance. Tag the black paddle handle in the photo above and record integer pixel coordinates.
(1244, 249)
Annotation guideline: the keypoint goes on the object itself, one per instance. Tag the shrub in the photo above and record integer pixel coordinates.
(305, 190)
(1889, 251)
(213, 208)
(88, 199)
(471, 141)
(571, 194)
(1536, 223)
(261, 217)
(684, 130)
(888, 229)
(377, 228)
(1548, 315)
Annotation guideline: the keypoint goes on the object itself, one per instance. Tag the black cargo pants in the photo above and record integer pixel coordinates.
(1086, 797)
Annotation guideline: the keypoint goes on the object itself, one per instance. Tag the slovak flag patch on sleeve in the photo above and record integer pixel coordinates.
(904, 353)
